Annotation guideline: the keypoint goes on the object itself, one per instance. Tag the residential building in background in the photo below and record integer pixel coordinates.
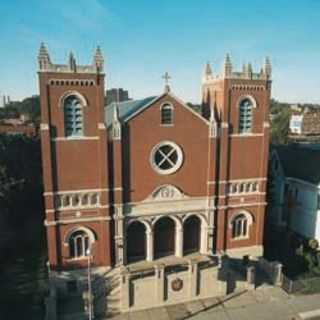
(116, 95)
(304, 125)
(18, 126)
(150, 187)
(295, 194)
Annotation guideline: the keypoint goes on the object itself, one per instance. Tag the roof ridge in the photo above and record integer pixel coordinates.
(128, 101)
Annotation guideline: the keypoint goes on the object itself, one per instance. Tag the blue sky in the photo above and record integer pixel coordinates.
(141, 39)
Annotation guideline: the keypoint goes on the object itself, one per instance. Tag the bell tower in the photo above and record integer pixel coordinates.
(240, 101)
(75, 161)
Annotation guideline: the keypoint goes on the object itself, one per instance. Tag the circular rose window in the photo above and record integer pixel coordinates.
(166, 157)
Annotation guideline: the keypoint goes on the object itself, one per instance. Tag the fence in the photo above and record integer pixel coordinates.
(301, 286)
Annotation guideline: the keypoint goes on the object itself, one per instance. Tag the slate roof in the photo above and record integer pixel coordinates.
(301, 162)
(126, 108)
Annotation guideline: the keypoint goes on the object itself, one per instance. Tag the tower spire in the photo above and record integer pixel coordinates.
(72, 62)
(98, 60)
(43, 58)
(207, 72)
(267, 68)
(227, 66)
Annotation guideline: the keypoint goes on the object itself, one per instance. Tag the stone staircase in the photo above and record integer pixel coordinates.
(107, 294)
(113, 292)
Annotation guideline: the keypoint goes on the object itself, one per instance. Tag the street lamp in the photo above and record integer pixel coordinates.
(91, 316)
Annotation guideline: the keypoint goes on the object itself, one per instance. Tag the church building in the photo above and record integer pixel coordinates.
(142, 181)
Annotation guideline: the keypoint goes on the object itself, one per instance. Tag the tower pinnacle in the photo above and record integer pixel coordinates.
(43, 58)
(72, 62)
(98, 60)
(227, 66)
(267, 68)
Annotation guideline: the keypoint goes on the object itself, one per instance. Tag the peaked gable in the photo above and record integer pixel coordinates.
(176, 99)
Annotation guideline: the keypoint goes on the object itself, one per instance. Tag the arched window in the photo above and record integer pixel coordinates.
(166, 114)
(245, 116)
(73, 117)
(79, 243)
(240, 226)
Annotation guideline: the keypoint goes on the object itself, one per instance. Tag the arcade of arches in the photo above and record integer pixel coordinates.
(166, 236)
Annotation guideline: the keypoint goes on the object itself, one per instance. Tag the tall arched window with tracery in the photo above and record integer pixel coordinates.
(79, 244)
(166, 114)
(245, 116)
(73, 116)
(240, 227)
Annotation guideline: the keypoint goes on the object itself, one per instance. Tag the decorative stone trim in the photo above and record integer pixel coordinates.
(72, 82)
(248, 87)
(77, 220)
(85, 200)
(75, 191)
(166, 193)
(75, 138)
(239, 188)
(246, 135)
(166, 158)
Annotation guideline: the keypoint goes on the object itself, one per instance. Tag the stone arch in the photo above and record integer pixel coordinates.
(192, 229)
(164, 228)
(203, 219)
(136, 240)
(250, 98)
(75, 93)
(177, 220)
(146, 224)
(90, 233)
(79, 241)
(239, 224)
(247, 214)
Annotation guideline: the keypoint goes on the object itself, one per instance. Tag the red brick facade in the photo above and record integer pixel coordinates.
(118, 170)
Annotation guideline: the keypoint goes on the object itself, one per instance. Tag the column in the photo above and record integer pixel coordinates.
(149, 237)
(179, 241)
(159, 279)
(204, 239)
(125, 290)
(120, 237)
(193, 278)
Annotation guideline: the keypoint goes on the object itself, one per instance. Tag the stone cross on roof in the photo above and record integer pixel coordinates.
(166, 78)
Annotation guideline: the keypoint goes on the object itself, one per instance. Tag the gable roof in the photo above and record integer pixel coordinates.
(129, 109)
(126, 108)
(300, 162)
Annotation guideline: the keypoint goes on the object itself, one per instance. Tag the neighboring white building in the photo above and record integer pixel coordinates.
(295, 190)
(296, 124)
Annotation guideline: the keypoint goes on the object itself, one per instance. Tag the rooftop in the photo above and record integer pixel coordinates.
(300, 162)
(125, 108)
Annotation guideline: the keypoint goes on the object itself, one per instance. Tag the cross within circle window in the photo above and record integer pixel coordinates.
(166, 157)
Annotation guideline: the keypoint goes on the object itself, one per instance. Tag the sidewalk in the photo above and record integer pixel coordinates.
(266, 303)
